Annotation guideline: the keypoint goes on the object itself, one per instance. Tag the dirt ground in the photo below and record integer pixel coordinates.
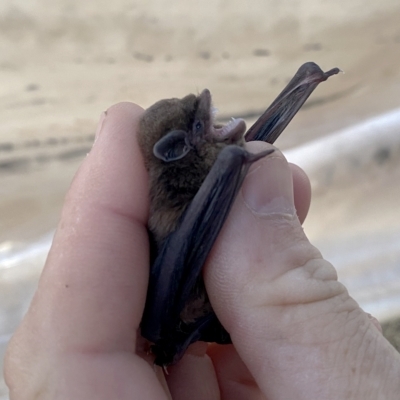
(63, 62)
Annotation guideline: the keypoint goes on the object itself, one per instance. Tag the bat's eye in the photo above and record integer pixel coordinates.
(198, 126)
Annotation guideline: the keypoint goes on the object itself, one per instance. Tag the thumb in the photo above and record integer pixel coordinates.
(287, 314)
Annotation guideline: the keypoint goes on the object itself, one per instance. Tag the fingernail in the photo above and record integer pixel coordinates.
(268, 187)
(99, 126)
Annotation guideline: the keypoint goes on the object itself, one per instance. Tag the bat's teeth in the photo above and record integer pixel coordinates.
(213, 112)
(230, 126)
(233, 122)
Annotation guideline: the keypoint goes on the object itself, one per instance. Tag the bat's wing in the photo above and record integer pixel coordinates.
(182, 255)
(278, 115)
(177, 268)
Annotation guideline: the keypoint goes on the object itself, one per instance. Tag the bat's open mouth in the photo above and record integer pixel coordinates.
(233, 131)
(235, 128)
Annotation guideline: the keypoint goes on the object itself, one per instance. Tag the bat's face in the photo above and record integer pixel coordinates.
(180, 143)
(171, 129)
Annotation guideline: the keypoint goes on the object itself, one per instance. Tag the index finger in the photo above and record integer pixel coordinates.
(92, 291)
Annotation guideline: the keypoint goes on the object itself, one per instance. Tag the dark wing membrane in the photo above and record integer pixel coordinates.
(183, 254)
(278, 115)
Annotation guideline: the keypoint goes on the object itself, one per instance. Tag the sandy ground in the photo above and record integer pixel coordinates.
(61, 65)
(63, 62)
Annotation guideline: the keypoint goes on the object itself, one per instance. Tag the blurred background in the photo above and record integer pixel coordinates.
(62, 62)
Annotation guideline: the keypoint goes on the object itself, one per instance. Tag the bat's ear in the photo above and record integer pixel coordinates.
(171, 147)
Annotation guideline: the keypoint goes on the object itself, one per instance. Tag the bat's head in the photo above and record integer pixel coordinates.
(171, 129)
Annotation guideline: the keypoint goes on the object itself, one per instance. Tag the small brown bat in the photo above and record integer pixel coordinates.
(196, 169)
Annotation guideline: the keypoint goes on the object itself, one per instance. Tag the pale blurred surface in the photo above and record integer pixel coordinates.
(62, 62)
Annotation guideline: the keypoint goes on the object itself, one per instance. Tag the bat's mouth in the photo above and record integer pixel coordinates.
(233, 131)
(235, 128)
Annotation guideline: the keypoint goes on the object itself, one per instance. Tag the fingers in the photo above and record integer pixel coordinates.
(193, 376)
(196, 374)
(96, 272)
(301, 191)
(234, 378)
(276, 296)
(78, 337)
(92, 291)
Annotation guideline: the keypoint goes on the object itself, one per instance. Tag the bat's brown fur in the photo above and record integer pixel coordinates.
(173, 185)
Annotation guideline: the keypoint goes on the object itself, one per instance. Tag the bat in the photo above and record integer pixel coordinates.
(196, 169)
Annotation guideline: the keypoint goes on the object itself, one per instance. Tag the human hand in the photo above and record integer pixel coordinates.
(296, 332)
